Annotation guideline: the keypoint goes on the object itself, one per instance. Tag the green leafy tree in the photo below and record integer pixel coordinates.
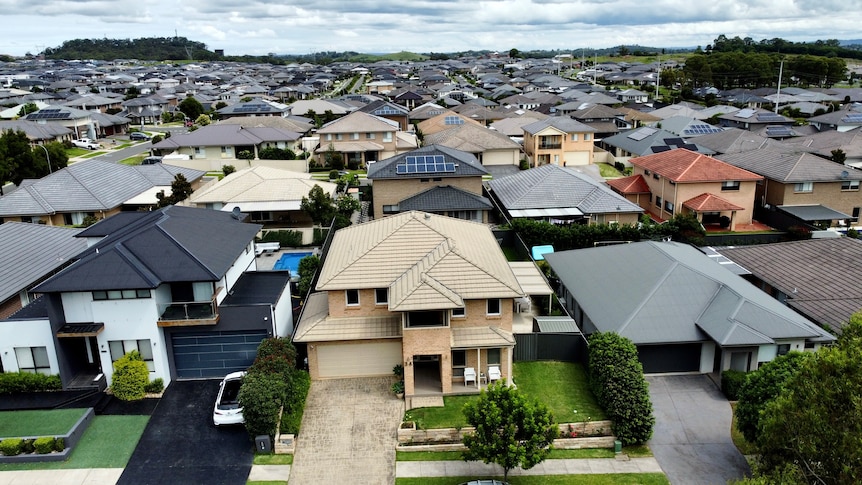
(511, 430)
(762, 387)
(203, 120)
(27, 109)
(181, 189)
(333, 158)
(57, 154)
(191, 108)
(617, 381)
(318, 205)
(307, 268)
(131, 93)
(514, 53)
(227, 169)
(838, 156)
(16, 157)
(261, 395)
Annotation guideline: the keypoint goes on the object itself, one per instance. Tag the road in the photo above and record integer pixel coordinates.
(115, 156)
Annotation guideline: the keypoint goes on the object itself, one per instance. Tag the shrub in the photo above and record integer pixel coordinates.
(524, 164)
(278, 347)
(130, 377)
(731, 382)
(28, 382)
(155, 386)
(294, 403)
(275, 365)
(59, 444)
(333, 174)
(620, 166)
(227, 169)
(12, 446)
(285, 238)
(617, 380)
(44, 445)
(319, 236)
(27, 446)
(261, 396)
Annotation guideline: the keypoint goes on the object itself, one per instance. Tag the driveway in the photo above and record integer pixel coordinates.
(348, 433)
(180, 445)
(692, 432)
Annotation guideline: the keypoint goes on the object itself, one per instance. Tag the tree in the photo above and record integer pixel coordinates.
(514, 53)
(261, 395)
(307, 268)
(203, 120)
(815, 423)
(838, 156)
(318, 205)
(510, 429)
(58, 158)
(16, 157)
(27, 109)
(333, 158)
(181, 189)
(227, 169)
(191, 108)
(760, 388)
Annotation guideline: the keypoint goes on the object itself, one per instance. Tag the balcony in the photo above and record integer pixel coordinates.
(188, 313)
(550, 146)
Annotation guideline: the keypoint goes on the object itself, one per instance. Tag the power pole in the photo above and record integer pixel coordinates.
(778, 93)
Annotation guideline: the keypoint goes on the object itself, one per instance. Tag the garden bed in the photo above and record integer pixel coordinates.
(593, 434)
(70, 439)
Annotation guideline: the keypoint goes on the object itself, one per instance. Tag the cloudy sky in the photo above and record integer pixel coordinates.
(382, 26)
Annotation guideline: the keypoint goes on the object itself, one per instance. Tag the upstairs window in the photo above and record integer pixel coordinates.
(730, 185)
(494, 306)
(351, 297)
(804, 187)
(850, 185)
(381, 296)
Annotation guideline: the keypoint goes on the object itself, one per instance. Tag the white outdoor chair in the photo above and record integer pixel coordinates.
(469, 375)
(494, 373)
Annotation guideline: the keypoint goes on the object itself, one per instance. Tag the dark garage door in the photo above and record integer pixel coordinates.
(670, 358)
(214, 354)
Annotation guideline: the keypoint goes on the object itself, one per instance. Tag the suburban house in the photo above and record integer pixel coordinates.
(212, 146)
(842, 121)
(93, 188)
(270, 196)
(490, 147)
(558, 140)
(683, 310)
(254, 108)
(79, 121)
(177, 284)
(795, 179)
(361, 138)
(431, 293)
(754, 119)
(29, 254)
(390, 111)
(561, 195)
(432, 179)
(683, 181)
(819, 278)
(646, 140)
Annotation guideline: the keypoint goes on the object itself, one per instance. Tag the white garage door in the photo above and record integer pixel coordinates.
(358, 360)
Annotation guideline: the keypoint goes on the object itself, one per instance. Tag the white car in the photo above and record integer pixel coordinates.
(227, 409)
(86, 143)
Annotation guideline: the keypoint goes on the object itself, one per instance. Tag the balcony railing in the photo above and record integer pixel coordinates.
(187, 313)
(550, 146)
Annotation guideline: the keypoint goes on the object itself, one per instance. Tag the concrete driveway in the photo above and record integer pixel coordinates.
(692, 433)
(348, 433)
(180, 445)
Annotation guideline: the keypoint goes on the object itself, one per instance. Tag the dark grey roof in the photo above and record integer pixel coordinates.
(89, 186)
(562, 123)
(444, 198)
(788, 165)
(656, 292)
(551, 186)
(36, 310)
(819, 276)
(643, 140)
(466, 165)
(172, 244)
(257, 287)
(31, 252)
(813, 212)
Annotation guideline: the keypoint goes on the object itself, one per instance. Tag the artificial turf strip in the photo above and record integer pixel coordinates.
(598, 479)
(15, 424)
(108, 443)
(562, 386)
(273, 459)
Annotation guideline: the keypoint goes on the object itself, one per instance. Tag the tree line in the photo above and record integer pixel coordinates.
(826, 48)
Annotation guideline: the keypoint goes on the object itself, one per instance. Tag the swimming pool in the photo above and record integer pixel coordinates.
(290, 261)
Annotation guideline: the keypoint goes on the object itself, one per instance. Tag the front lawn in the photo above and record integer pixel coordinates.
(451, 415)
(562, 386)
(135, 160)
(273, 459)
(606, 479)
(107, 443)
(15, 424)
(608, 171)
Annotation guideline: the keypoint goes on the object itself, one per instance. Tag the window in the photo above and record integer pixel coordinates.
(850, 185)
(369, 136)
(658, 201)
(586, 137)
(120, 348)
(668, 206)
(352, 297)
(574, 137)
(646, 173)
(354, 136)
(459, 312)
(655, 176)
(387, 136)
(33, 360)
(730, 185)
(381, 296)
(329, 137)
(494, 306)
(804, 187)
(459, 361)
(855, 214)
(339, 136)
(120, 294)
(783, 349)
(493, 357)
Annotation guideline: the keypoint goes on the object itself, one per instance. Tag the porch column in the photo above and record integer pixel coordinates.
(511, 366)
(479, 369)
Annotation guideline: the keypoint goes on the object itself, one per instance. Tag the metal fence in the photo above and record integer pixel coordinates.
(566, 347)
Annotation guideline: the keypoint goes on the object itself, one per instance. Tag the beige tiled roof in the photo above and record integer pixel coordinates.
(427, 261)
(316, 326)
(260, 184)
(350, 146)
(475, 337)
(359, 122)
(438, 123)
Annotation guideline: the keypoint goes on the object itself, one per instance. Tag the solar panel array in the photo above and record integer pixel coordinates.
(700, 129)
(251, 108)
(386, 110)
(453, 120)
(852, 118)
(745, 113)
(424, 164)
(48, 114)
(769, 117)
(642, 133)
(779, 131)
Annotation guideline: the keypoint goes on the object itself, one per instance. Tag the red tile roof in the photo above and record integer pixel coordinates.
(683, 166)
(634, 184)
(710, 203)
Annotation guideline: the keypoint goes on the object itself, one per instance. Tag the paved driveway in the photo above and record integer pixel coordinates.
(180, 445)
(692, 433)
(348, 433)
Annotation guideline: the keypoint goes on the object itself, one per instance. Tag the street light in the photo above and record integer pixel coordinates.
(47, 157)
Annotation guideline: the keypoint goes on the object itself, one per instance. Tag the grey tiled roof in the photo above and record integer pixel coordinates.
(444, 198)
(784, 165)
(551, 186)
(562, 123)
(466, 164)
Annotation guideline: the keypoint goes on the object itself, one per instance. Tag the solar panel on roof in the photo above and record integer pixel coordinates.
(745, 113)
(852, 118)
(453, 120)
(642, 133)
(660, 148)
(424, 164)
(779, 131)
(386, 110)
(769, 117)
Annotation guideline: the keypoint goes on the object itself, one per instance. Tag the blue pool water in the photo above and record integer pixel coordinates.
(290, 261)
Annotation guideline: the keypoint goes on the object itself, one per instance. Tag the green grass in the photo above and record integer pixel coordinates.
(562, 386)
(456, 455)
(739, 440)
(607, 479)
(76, 152)
(107, 443)
(93, 154)
(273, 459)
(608, 171)
(136, 160)
(451, 415)
(265, 482)
(38, 423)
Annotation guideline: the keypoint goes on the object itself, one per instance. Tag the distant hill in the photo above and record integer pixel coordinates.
(149, 49)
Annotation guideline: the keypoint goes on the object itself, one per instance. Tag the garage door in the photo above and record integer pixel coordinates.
(358, 360)
(214, 354)
(669, 358)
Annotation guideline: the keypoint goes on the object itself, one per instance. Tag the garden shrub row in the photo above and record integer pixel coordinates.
(731, 382)
(290, 239)
(617, 381)
(11, 382)
(41, 446)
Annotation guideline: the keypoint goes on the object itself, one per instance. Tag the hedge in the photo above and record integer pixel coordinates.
(285, 238)
(44, 445)
(130, 377)
(28, 382)
(12, 446)
(731, 382)
(294, 404)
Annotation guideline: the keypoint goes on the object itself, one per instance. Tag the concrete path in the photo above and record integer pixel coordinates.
(348, 433)
(79, 476)
(269, 473)
(414, 469)
(692, 433)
